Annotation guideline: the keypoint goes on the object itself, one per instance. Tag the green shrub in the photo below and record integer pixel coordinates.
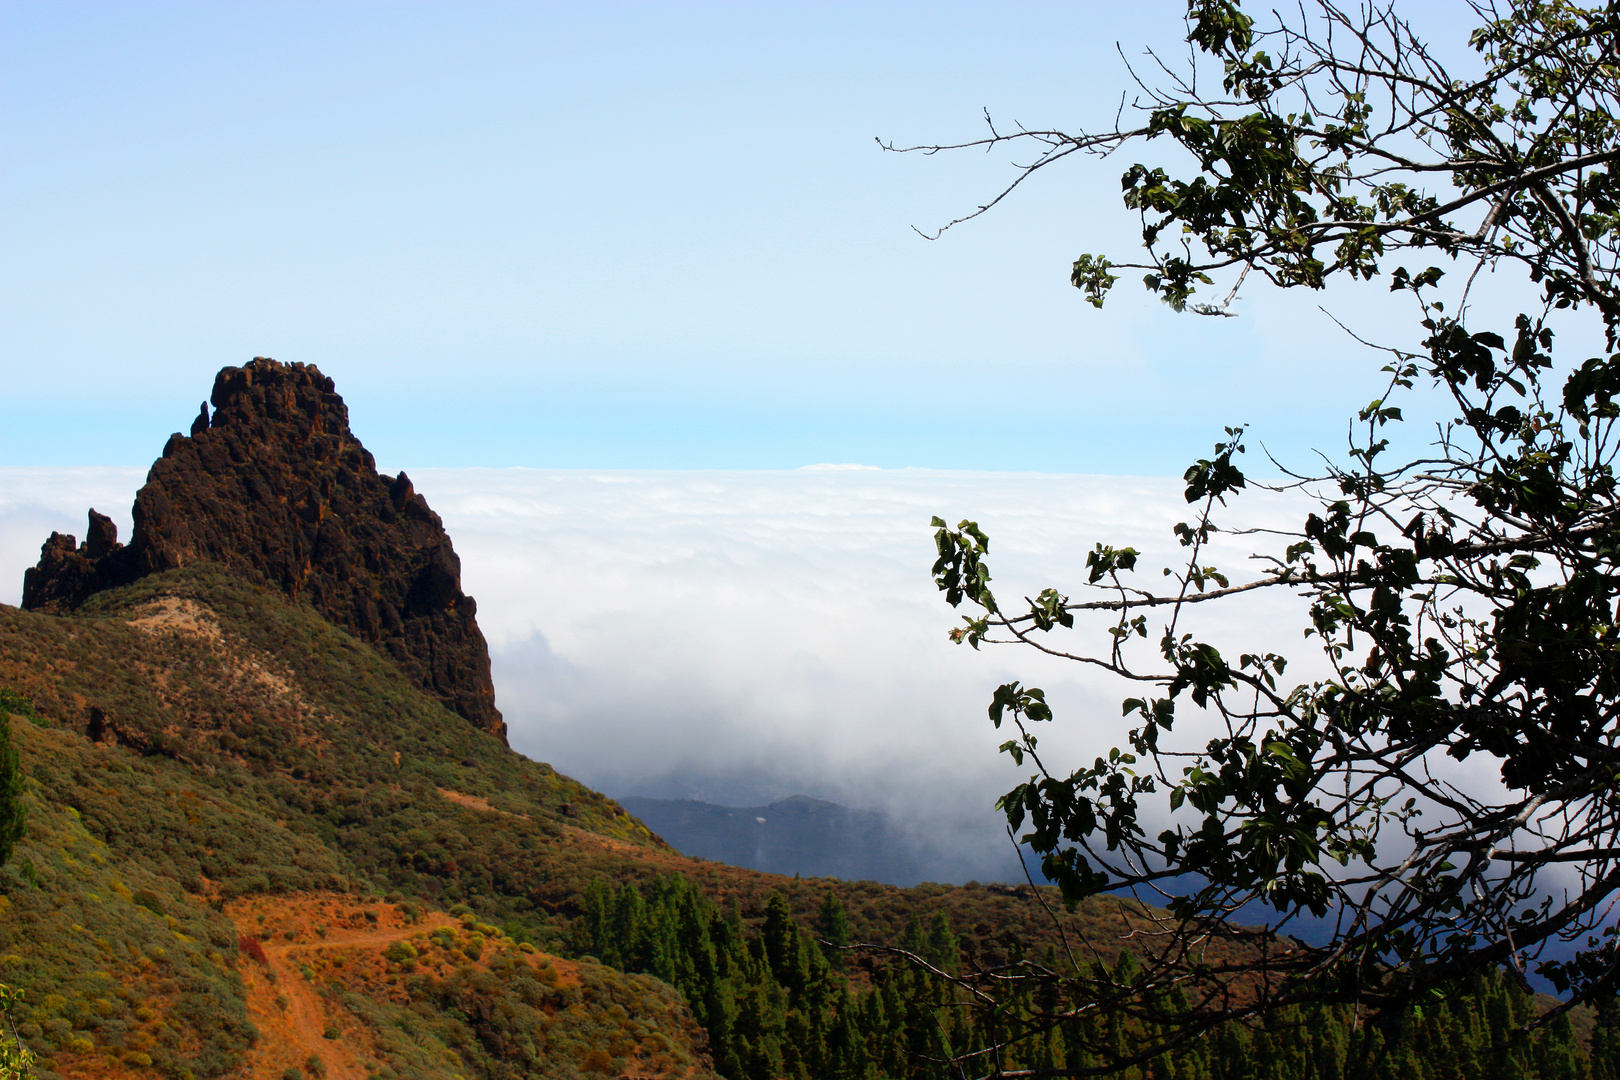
(14, 704)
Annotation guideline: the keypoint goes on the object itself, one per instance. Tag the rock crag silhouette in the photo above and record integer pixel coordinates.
(275, 484)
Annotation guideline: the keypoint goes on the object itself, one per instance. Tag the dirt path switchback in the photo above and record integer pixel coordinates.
(294, 1019)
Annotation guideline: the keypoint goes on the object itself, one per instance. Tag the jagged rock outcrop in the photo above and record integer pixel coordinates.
(66, 574)
(275, 485)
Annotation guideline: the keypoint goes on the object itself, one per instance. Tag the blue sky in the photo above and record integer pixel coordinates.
(607, 236)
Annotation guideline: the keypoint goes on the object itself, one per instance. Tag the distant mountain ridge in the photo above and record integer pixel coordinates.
(796, 835)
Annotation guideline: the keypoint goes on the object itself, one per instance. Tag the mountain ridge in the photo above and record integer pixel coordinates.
(795, 835)
(274, 485)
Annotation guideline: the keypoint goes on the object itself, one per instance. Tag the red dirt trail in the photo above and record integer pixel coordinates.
(290, 1035)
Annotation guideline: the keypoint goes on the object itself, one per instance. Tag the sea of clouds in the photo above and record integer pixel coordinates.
(741, 636)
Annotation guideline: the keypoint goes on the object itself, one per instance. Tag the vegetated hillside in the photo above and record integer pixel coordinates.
(253, 845)
(178, 767)
(197, 743)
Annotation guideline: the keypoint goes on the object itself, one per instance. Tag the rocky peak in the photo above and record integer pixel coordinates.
(275, 485)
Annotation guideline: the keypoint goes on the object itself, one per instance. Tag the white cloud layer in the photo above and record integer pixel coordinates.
(741, 636)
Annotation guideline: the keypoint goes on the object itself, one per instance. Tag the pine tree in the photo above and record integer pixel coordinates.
(941, 950)
(593, 931)
(914, 939)
(1605, 1050)
(847, 1057)
(1555, 1051)
(832, 929)
(782, 947)
(13, 815)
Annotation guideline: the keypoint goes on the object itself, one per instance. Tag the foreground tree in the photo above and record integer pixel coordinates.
(13, 814)
(1465, 600)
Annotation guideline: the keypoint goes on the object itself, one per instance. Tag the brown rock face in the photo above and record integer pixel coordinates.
(275, 484)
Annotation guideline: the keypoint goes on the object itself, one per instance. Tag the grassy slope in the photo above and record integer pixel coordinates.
(251, 748)
(253, 752)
